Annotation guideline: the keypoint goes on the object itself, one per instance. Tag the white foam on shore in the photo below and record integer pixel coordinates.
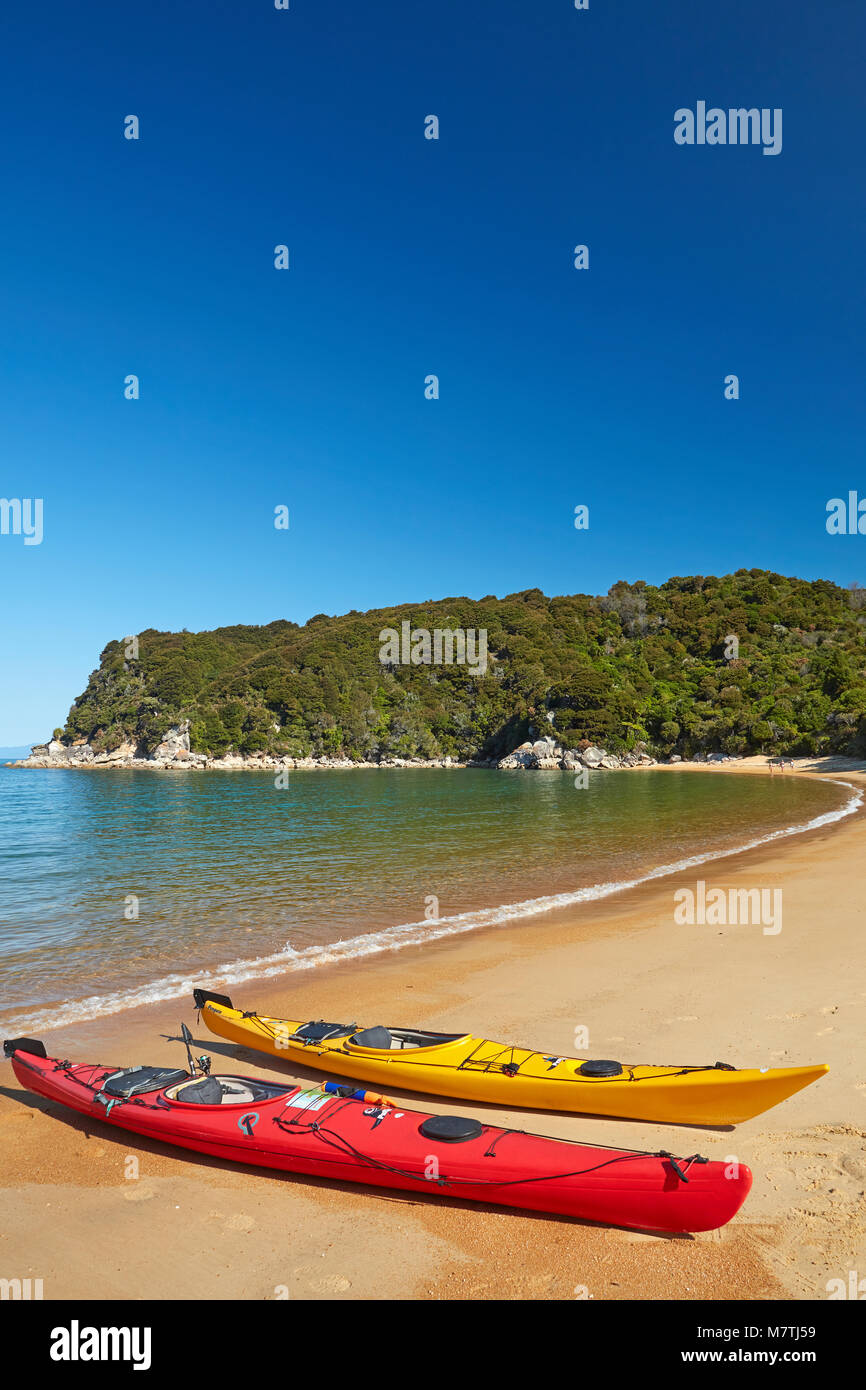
(389, 939)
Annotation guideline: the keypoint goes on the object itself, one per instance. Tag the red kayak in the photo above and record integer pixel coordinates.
(352, 1136)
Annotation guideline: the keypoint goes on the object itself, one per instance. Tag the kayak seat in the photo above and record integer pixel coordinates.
(226, 1090)
(236, 1093)
(373, 1037)
(204, 1091)
(399, 1039)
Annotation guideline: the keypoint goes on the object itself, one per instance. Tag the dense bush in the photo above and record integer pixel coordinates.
(640, 664)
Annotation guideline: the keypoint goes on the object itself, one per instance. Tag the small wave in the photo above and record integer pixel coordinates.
(287, 960)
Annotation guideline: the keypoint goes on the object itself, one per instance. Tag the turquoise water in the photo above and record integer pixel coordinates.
(230, 872)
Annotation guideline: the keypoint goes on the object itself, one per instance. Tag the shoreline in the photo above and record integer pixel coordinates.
(201, 763)
(570, 761)
(646, 989)
(399, 937)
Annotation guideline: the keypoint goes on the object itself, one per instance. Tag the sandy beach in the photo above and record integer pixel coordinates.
(73, 1214)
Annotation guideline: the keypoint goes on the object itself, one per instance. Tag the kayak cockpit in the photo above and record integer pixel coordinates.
(226, 1090)
(401, 1039)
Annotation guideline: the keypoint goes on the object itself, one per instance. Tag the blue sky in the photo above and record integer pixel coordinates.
(409, 257)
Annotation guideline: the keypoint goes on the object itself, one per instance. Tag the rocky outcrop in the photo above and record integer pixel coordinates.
(528, 755)
(173, 752)
(546, 753)
(638, 758)
(175, 744)
(57, 754)
(592, 756)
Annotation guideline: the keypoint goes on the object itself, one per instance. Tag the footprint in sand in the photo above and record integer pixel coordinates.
(819, 1206)
(822, 1032)
(829, 1009)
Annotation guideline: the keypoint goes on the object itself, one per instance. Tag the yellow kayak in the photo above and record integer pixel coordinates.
(470, 1068)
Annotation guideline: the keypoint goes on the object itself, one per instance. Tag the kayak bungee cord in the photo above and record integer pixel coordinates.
(511, 1067)
(332, 1139)
(658, 1072)
(316, 1127)
(97, 1091)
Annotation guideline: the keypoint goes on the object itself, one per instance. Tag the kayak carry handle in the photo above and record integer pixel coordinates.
(693, 1158)
(203, 996)
(31, 1045)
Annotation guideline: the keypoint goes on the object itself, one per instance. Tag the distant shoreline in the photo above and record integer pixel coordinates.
(812, 764)
(268, 765)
